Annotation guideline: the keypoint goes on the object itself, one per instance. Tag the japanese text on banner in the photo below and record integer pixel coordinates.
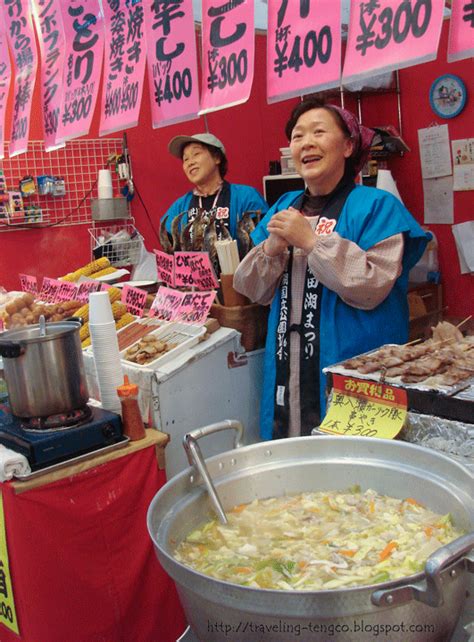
(365, 409)
(194, 269)
(303, 47)
(85, 288)
(28, 283)
(165, 267)
(5, 77)
(25, 59)
(228, 52)
(49, 289)
(83, 26)
(389, 35)
(50, 30)
(125, 59)
(7, 600)
(166, 304)
(134, 299)
(172, 61)
(195, 307)
(461, 31)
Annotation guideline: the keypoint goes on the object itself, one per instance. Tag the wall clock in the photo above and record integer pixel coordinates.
(448, 96)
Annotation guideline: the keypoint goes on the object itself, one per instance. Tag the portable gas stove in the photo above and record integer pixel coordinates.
(48, 440)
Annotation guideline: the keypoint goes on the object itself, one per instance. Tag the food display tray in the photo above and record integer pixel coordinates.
(184, 335)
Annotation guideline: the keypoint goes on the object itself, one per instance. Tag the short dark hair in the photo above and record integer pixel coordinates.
(314, 102)
(217, 153)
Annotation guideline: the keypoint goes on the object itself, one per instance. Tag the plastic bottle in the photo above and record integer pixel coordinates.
(133, 426)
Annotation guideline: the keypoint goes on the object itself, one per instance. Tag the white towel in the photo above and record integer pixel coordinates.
(12, 463)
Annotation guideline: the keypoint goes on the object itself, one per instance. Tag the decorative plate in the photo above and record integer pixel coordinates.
(448, 96)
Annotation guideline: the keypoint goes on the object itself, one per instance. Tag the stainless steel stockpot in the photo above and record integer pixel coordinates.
(421, 608)
(45, 374)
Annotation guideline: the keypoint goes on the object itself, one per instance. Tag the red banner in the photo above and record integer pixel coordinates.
(228, 52)
(391, 34)
(303, 47)
(83, 26)
(171, 61)
(25, 59)
(124, 68)
(461, 31)
(50, 30)
(5, 77)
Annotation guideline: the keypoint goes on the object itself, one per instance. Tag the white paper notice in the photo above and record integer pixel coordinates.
(464, 237)
(438, 198)
(463, 163)
(434, 151)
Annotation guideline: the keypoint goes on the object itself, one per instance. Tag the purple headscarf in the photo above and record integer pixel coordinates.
(362, 137)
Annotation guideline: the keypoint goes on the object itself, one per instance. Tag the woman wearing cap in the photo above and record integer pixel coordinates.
(205, 165)
(333, 261)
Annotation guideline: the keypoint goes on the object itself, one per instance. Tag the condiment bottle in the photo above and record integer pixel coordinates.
(132, 420)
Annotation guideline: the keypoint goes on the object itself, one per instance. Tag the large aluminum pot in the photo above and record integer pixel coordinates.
(421, 608)
(45, 374)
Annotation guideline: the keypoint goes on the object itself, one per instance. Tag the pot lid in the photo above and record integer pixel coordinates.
(31, 333)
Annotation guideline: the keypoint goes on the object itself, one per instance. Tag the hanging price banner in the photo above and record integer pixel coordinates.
(303, 47)
(166, 304)
(171, 61)
(391, 34)
(134, 299)
(67, 291)
(125, 57)
(461, 31)
(365, 409)
(29, 283)
(85, 288)
(195, 307)
(84, 31)
(5, 78)
(21, 37)
(228, 52)
(49, 289)
(51, 38)
(194, 269)
(165, 267)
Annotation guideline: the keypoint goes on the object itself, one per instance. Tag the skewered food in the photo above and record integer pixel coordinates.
(148, 349)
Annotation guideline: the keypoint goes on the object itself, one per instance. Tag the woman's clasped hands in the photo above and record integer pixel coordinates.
(289, 228)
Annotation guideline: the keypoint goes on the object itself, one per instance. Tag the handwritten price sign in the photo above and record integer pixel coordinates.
(194, 269)
(85, 288)
(165, 267)
(134, 299)
(166, 304)
(29, 283)
(365, 409)
(195, 307)
(49, 289)
(67, 291)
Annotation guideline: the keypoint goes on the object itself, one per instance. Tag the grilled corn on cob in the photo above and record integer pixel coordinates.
(124, 320)
(83, 312)
(84, 331)
(87, 270)
(87, 342)
(107, 270)
(118, 310)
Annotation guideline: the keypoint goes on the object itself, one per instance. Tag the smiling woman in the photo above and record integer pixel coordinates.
(333, 261)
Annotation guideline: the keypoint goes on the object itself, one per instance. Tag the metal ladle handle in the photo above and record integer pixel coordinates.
(196, 459)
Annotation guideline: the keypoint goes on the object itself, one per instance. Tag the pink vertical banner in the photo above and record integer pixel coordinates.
(84, 30)
(171, 61)
(21, 37)
(5, 77)
(228, 53)
(461, 30)
(391, 34)
(303, 47)
(50, 31)
(124, 65)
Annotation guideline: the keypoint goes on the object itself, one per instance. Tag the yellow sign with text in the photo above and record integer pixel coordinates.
(7, 602)
(361, 408)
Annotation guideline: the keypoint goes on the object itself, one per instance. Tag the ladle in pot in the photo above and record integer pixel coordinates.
(196, 459)
(42, 325)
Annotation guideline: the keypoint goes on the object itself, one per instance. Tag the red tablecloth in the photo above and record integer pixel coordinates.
(82, 562)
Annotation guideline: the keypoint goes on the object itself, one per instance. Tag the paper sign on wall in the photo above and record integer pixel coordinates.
(165, 267)
(124, 68)
(172, 61)
(303, 47)
(7, 601)
(365, 409)
(5, 78)
(50, 31)
(134, 299)
(461, 31)
(194, 269)
(228, 52)
(391, 34)
(84, 31)
(28, 283)
(21, 37)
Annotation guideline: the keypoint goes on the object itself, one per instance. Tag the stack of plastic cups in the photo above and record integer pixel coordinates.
(105, 350)
(104, 184)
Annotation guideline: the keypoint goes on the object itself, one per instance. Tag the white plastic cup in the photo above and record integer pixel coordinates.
(386, 182)
(104, 184)
(100, 309)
